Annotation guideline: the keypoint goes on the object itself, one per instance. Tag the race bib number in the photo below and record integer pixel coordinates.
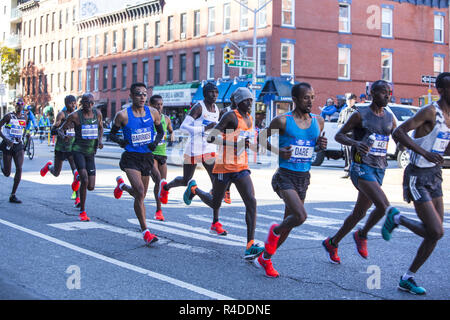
(302, 151)
(141, 137)
(70, 132)
(380, 146)
(206, 122)
(441, 142)
(16, 128)
(89, 131)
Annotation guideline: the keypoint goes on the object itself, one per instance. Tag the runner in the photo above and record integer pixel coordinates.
(63, 147)
(159, 154)
(371, 127)
(88, 126)
(138, 123)
(233, 136)
(12, 126)
(299, 134)
(203, 116)
(422, 180)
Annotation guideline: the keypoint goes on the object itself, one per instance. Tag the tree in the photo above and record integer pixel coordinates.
(10, 68)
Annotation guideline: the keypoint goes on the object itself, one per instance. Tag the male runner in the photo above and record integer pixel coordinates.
(299, 134)
(63, 147)
(233, 136)
(422, 179)
(138, 123)
(88, 125)
(159, 154)
(367, 169)
(12, 126)
(202, 117)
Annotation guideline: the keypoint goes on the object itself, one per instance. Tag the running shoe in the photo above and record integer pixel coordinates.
(77, 203)
(76, 181)
(411, 286)
(74, 195)
(149, 237)
(163, 193)
(271, 243)
(45, 169)
(14, 199)
(389, 225)
(159, 215)
(254, 251)
(117, 191)
(361, 245)
(188, 195)
(227, 197)
(83, 216)
(332, 251)
(216, 228)
(267, 266)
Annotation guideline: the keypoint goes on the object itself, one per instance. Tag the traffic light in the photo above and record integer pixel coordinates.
(228, 55)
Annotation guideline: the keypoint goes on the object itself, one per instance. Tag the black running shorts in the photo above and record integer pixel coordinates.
(422, 184)
(61, 155)
(84, 161)
(161, 159)
(285, 179)
(142, 162)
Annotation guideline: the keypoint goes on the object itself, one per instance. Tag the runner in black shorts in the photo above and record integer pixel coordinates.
(88, 126)
(63, 147)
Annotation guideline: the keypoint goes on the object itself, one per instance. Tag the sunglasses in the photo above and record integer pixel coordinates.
(140, 94)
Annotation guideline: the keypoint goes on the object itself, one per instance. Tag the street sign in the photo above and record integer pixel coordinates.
(242, 64)
(428, 79)
(255, 86)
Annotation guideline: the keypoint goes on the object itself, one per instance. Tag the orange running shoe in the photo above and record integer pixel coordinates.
(361, 245)
(149, 237)
(271, 243)
(77, 203)
(227, 197)
(163, 193)
(76, 181)
(216, 228)
(83, 216)
(45, 169)
(159, 215)
(267, 266)
(332, 251)
(117, 191)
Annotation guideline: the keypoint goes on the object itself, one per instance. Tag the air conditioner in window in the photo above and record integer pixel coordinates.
(145, 45)
(114, 49)
(183, 35)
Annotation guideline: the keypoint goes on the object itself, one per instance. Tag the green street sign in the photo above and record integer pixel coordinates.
(242, 64)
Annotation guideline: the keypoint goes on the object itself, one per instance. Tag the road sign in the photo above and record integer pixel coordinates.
(428, 79)
(242, 64)
(255, 86)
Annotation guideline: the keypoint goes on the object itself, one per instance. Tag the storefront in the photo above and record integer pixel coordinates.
(222, 86)
(276, 96)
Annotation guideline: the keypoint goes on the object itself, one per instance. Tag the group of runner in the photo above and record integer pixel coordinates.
(220, 141)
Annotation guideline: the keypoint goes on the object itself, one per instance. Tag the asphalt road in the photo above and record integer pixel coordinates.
(46, 253)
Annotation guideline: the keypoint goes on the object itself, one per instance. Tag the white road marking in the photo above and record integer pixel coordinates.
(155, 275)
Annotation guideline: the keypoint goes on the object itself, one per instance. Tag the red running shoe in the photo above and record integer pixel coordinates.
(149, 237)
(271, 243)
(76, 181)
(45, 169)
(361, 245)
(332, 251)
(117, 191)
(77, 202)
(83, 216)
(216, 228)
(163, 193)
(159, 215)
(267, 266)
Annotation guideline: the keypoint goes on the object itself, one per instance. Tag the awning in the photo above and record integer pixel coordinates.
(223, 87)
(277, 89)
(176, 95)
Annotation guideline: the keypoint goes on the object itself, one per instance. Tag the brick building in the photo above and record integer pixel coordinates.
(336, 45)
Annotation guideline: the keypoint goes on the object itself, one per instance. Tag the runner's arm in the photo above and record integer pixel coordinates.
(169, 128)
(4, 121)
(341, 136)
(159, 129)
(228, 121)
(321, 143)
(100, 129)
(118, 123)
(57, 123)
(276, 126)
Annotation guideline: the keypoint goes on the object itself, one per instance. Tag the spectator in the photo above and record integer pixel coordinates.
(328, 109)
(343, 117)
(362, 98)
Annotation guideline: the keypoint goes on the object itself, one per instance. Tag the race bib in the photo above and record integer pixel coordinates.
(16, 128)
(379, 147)
(141, 137)
(89, 131)
(441, 142)
(302, 151)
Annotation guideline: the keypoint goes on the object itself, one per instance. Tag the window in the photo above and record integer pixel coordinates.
(157, 33)
(46, 53)
(210, 68)
(344, 63)
(170, 28)
(105, 77)
(243, 24)
(89, 38)
(40, 54)
(169, 68)
(72, 79)
(196, 71)
(146, 34)
(135, 35)
(244, 71)
(261, 60)
(60, 19)
(124, 39)
(97, 45)
(344, 17)
(51, 52)
(96, 78)
(211, 20)
(262, 14)
(386, 22)
(183, 25)
(287, 59)
(145, 72)
(113, 109)
(196, 23)
(72, 49)
(41, 24)
(386, 66)
(157, 72)
(59, 49)
(80, 49)
(438, 64)
(439, 28)
(287, 13)
(114, 40)
(53, 21)
(182, 67)
(124, 75)
(66, 46)
(226, 17)
(113, 77)
(80, 80)
(134, 69)
(88, 79)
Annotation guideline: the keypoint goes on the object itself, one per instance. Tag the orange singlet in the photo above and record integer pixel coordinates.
(227, 160)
